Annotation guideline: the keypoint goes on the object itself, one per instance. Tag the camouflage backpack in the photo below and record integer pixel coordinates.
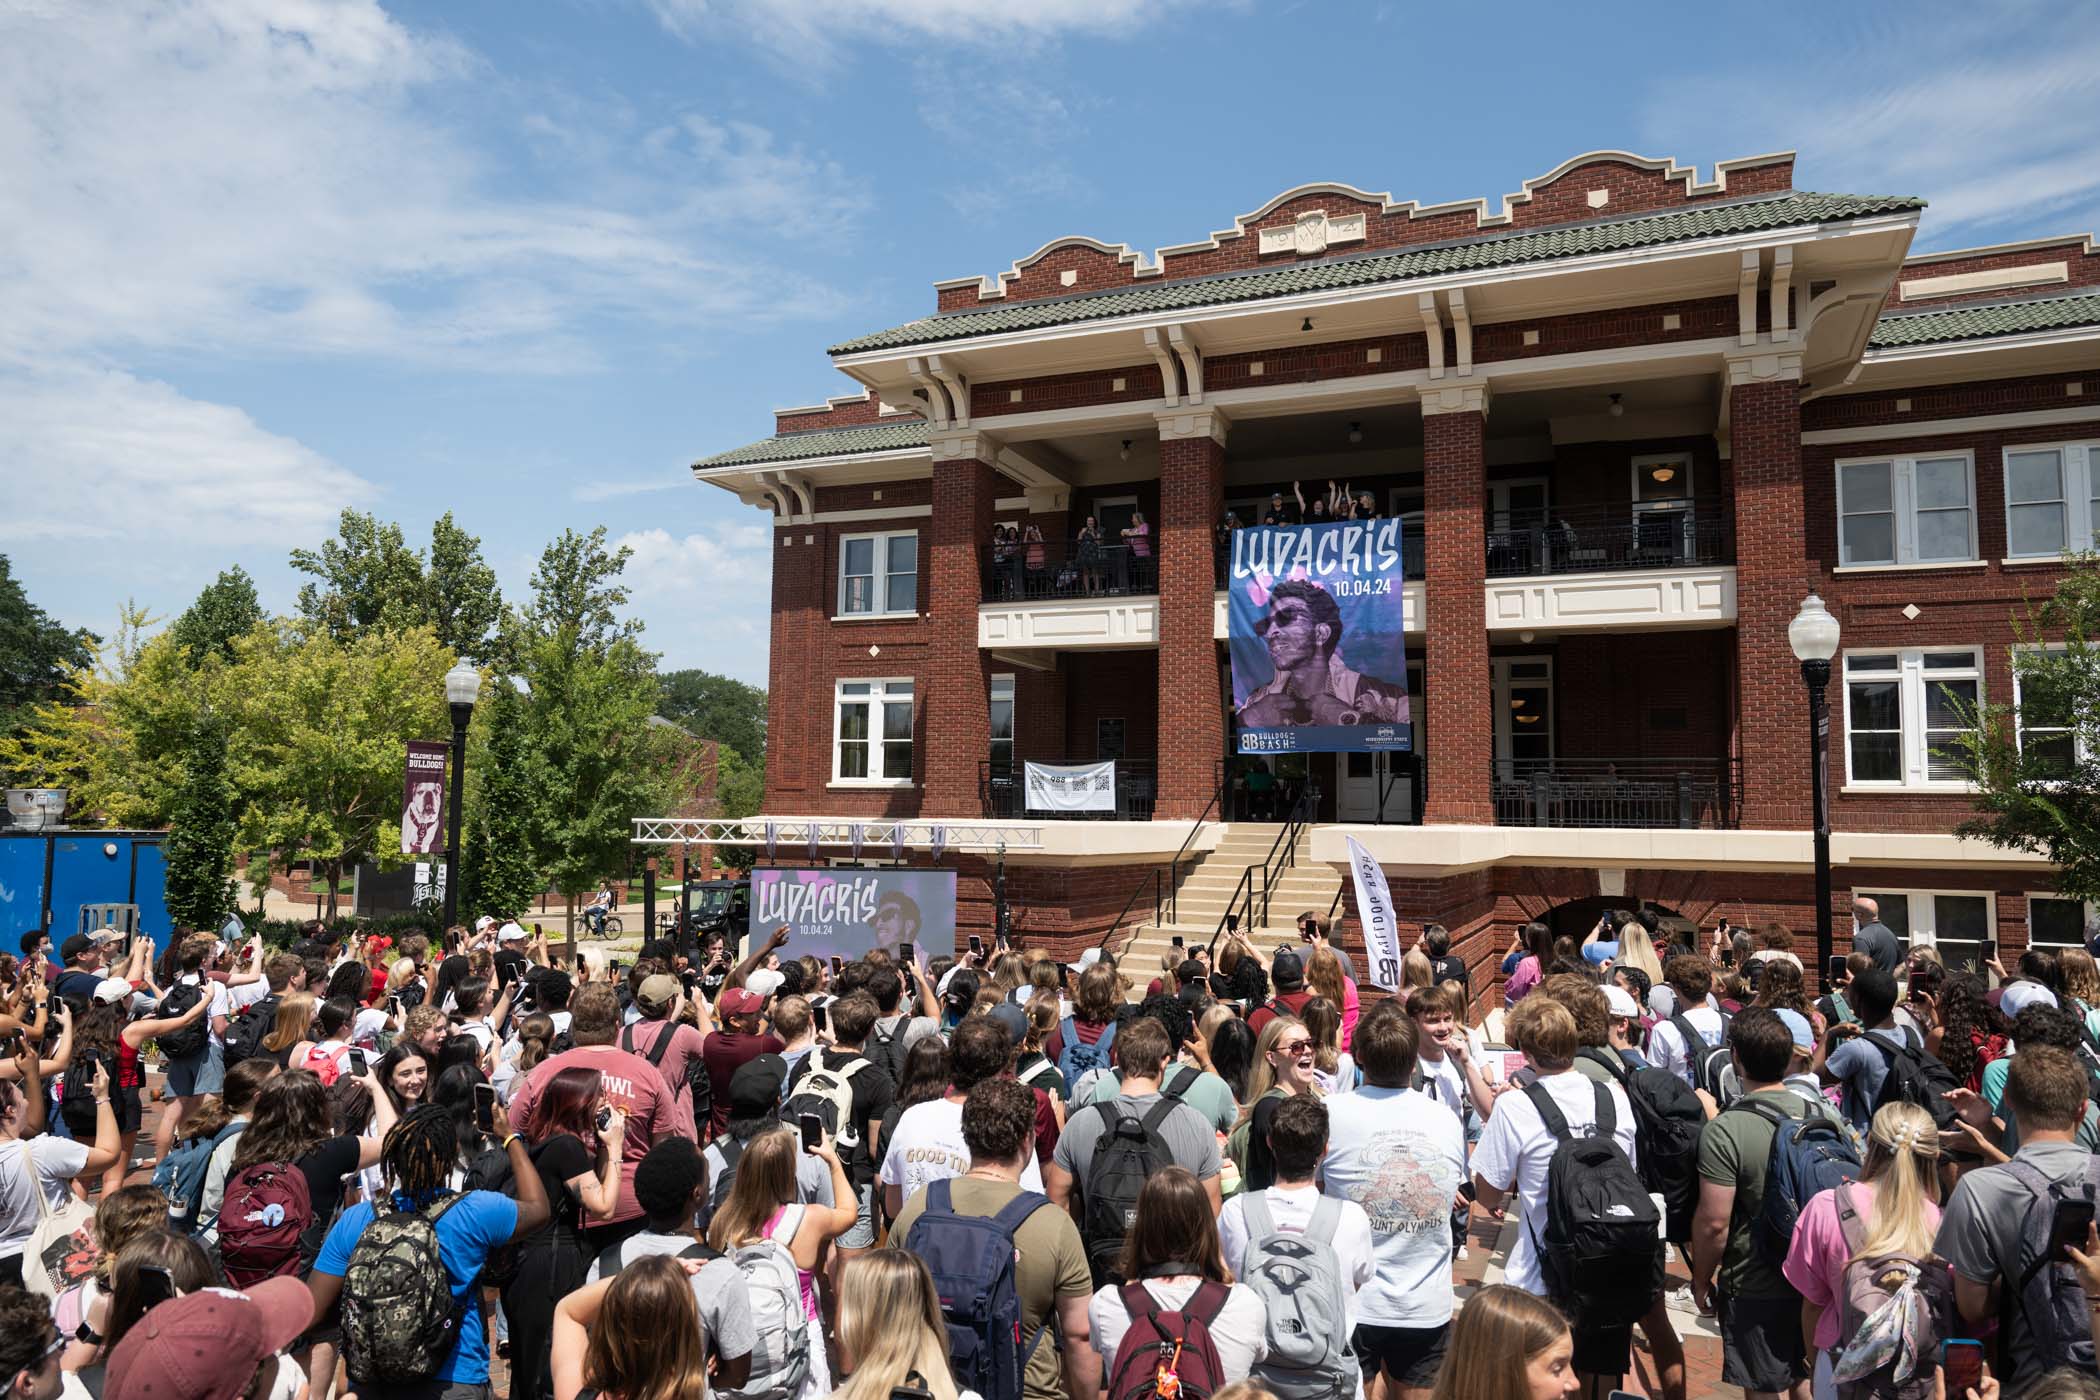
(400, 1320)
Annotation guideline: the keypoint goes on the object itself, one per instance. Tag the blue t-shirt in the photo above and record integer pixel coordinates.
(1861, 1067)
(467, 1234)
(1601, 953)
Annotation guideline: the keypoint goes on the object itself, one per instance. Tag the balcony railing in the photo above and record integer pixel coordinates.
(1600, 539)
(1637, 792)
(1000, 787)
(1039, 570)
(1411, 560)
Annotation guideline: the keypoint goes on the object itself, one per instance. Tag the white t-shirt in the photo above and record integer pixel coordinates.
(57, 1161)
(1666, 1047)
(1516, 1148)
(927, 1146)
(1240, 1331)
(1291, 1207)
(365, 1029)
(246, 995)
(1400, 1157)
(1447, 1084)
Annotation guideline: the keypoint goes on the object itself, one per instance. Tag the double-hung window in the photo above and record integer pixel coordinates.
(879, 574)
(1957, 922)
(1002, 755)
(2052, 499)
(1905, 713)
(2045, 710)
(871, 733)
(1907, 510)
(2056, 922)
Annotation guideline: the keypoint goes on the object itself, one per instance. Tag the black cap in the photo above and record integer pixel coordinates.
(74, 946)
(1287, 971)
(754, 1090)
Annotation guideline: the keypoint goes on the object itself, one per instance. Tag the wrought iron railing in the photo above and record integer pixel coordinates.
(1041, 570)
(1598, 539)
(1004, 794)
(1622, 792)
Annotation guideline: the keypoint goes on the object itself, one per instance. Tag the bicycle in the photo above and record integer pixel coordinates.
(609, 926)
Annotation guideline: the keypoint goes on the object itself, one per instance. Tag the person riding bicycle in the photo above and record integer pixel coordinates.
(594, 913)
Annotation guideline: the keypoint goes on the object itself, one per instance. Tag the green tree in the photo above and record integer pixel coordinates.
(369, 578)
(465, 604)
(37, 654)
(317, 734)
(226, 609)
(740, 791)
(2037, 771)
(200, 842)
(496, 870)
(728, 711)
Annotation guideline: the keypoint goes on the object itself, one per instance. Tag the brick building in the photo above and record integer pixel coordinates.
(1629, 417)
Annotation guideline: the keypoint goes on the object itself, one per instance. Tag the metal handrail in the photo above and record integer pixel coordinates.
(1110, 936)
(1283, 854)
(1174, 891)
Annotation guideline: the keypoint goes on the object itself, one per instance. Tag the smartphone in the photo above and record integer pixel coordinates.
(838, 964)
(393, 1006)
(1232, 921)
(976, 944)
(1963, 1361)
(818, 1018)
(2069, 1227)
(812, 1132)
(908, 951)
(1985, 951)
(156, 1284)
(617, 968)
(1836, 971)
(1727, 955)
(1180, 942)
(605, 1119)
(357, 1063)
(485, 1107)
(1305, 935)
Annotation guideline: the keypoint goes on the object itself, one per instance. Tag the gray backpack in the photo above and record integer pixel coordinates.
(780, 1360)
(1299, 1280)
(2047, 1293)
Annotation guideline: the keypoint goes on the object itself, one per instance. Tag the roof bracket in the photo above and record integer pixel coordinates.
(951, 377)
(1746, 297)
(938, 411)
(1169, 376)
(1782, 291)
(1191, 359)
(1462, 328)
(1433, 332)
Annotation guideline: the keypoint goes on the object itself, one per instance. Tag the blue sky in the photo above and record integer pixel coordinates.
(264, 259)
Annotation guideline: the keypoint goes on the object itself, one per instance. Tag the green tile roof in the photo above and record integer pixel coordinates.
(1399, 265)
(824, 442)
(1983, 322)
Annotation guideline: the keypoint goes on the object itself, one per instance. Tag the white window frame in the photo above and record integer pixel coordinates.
(2081, 478)
(1505, 724)
(877, 697)
(2092, 913)
(1911, 677)
(1903, 507)
(879, 553)
(2078, 744)
(1004, 682)
(1930, 899)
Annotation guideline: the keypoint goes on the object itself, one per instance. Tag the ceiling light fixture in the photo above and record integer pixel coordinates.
(1664, 474)
(1308, 324)
(1618, 410)
(1125, 453)
(1356, 432)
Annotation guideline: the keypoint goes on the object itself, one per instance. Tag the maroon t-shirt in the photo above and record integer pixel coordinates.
(726, 1052)
(1293, 1002)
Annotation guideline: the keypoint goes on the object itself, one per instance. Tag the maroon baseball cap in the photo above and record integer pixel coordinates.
(738, 1002)
(207, 1345)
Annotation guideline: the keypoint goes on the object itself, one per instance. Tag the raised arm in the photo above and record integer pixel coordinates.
(137, 1033)
(533, 1211)
(600, 1193)
(109, 1143)
(774, 941)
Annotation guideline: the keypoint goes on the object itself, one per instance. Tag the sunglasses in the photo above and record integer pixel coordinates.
(1295, 1047)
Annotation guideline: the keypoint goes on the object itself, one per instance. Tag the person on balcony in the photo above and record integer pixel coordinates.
(1034, 558)
(1137, 535)
(1303, 630)
(1089, 552)
(1280, 514)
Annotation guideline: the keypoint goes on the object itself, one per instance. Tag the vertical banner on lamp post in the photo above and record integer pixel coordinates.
(423, 799)
(1374, 907)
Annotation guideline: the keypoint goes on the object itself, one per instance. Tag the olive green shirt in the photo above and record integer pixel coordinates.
(1734, 1149)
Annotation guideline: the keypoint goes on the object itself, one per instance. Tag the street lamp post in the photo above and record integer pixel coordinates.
(462, 689)
(1813, 634)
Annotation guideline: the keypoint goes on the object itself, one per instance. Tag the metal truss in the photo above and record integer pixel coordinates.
(874, 835)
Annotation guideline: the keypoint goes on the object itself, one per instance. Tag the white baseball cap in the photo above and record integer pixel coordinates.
(764, 981)
(1619, 1002)
(112, 991)
(481, 924)
(510, 932)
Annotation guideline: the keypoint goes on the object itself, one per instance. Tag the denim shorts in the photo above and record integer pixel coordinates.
(201, 1073)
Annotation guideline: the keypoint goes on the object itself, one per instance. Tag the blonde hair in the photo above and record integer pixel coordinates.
(1545, 1031)
(890, 1327)
(1261, 1075)
(1008, 972)
(295, 1017)
(1042, 1019)
(1494, 1340)
(1637, 949)
(1323, 1022)
(1214, 1016)
(2081, 975)
(1323, 973)
(765, 1181)
(1903, 1151)
(1416, 970)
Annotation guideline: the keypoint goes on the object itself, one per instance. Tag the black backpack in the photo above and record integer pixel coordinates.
(1915, 1077)
(1129, 1150)
(1707, 1061)
(698, 1086)
(1602, 1250)
(184, 1041)
(732, 1149)
(1667, 1121)
(244, 1038)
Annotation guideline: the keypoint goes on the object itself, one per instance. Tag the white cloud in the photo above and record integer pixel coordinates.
(616, 490)
(263, 176)
(708, 595)
(816, 28)
(1959, 106)
(99, 455)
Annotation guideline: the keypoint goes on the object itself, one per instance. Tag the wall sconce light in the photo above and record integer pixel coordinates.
(1356, 432)
(1125, 453)
(1618, 410)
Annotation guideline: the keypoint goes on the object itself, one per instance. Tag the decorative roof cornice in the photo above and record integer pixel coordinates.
(1986, 320)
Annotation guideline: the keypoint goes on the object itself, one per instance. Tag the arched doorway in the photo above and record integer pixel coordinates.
(1577, 917)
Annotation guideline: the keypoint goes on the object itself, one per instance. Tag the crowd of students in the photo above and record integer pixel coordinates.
(379, 1168)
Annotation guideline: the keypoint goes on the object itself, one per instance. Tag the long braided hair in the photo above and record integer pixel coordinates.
(421, 1152)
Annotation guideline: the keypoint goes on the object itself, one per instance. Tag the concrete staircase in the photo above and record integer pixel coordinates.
(1207, 886)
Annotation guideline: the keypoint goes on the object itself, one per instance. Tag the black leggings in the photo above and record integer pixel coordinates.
(550, 1266)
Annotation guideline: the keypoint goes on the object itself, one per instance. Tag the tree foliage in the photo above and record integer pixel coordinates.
(369, 578)
(318, 728)
(2037, 771)
(200, 840)
(38, 656)
(728, 711)
(497, 873)
(226, 609)
(740, 791)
